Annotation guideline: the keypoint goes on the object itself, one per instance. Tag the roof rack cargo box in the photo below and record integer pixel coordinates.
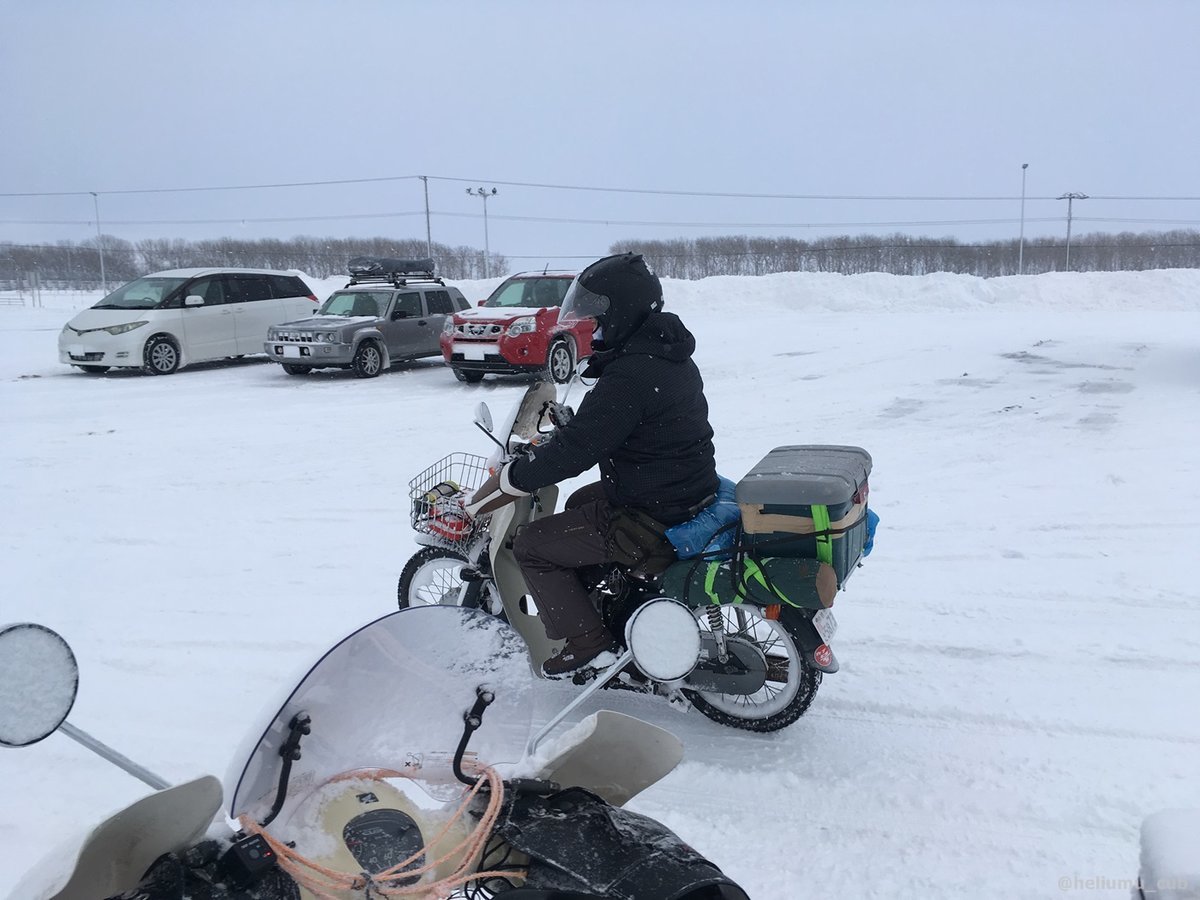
(392, 270)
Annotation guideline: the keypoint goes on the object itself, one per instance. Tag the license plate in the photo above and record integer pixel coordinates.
(470, 351)
(76, 350)
(825, 624)
(293, 352)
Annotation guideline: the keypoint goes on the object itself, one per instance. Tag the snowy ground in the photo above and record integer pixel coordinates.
(1020, 657)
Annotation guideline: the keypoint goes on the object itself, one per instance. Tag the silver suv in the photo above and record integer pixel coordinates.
(392, 310)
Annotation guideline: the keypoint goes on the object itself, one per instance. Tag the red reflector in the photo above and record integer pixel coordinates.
(823, 655)
(771, 612)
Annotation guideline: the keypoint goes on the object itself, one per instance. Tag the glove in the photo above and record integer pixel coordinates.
(494, 493)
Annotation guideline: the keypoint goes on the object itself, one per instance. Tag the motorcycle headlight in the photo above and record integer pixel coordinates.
(523, 325)
(121, 329)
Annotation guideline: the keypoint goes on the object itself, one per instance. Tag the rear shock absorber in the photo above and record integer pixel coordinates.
(716, 624)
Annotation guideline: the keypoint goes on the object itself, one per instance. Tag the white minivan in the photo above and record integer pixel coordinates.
(160, 322)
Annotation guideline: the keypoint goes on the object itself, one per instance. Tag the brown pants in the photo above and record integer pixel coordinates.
(550, 550)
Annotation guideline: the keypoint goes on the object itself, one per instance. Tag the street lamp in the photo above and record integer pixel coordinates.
(487, 253)
(1021, 249)
(1070, 197)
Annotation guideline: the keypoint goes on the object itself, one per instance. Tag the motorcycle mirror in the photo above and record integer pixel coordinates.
(664, 638)
(39, 679)
(483, 417)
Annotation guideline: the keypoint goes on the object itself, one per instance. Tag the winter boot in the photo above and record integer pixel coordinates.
(595, 648)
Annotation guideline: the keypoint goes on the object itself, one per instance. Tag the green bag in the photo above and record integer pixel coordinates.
(765, 581)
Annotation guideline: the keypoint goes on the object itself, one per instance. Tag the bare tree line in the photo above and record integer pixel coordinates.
(900, 254)
(77, 265)
(69, 264)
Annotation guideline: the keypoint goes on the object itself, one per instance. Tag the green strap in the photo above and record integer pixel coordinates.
(710, 579)
(753, 570)
(820, 517)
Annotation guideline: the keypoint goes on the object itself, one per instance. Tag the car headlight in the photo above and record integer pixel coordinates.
(329, 337)
(523, 325)
(448, 328)
(121, 329)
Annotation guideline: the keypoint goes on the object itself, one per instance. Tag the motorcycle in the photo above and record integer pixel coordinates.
(765, 622)
(399, 765)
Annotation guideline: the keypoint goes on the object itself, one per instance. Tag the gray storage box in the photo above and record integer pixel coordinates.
(808, 501)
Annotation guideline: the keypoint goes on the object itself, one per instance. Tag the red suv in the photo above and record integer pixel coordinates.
(515, 330)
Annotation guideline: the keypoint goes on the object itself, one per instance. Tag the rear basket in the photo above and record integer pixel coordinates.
(807, 501)
(437, 496)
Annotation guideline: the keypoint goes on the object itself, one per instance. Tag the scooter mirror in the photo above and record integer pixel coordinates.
(483, 417)
(664, 638)
(38, 682)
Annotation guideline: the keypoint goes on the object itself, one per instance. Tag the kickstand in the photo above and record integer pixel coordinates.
(597, 683)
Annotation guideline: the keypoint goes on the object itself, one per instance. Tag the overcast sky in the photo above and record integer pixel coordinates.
(862, 99)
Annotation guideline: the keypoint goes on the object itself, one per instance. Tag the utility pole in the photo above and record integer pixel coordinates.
(1070, 197)
(487, 252)
(428, 233)
(1021, 250)
(99, 242)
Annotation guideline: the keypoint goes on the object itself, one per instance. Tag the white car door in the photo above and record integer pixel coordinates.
(254, 310)
(208, 330)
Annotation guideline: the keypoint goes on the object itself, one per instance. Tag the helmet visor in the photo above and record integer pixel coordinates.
(580, 303)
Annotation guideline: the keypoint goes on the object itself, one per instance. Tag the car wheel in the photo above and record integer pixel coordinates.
(560, 361)
(95, 370)
(368, 360)
(296, 370)
(160, 357)
(467, 376)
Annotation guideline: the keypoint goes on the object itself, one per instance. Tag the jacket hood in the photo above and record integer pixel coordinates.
(663, 335)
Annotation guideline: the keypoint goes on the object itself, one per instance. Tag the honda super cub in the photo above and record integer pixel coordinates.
(760, 589)
(399, 765)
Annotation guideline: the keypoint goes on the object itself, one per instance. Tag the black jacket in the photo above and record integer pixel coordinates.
(645, 422)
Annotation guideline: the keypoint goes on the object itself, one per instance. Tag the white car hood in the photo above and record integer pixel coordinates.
(103, 318)
(496, 314)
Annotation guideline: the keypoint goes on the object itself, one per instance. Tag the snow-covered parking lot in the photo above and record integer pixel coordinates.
(1020, 655)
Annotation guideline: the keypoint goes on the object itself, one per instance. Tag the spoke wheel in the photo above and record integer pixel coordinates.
(433, 577)
(791, 682)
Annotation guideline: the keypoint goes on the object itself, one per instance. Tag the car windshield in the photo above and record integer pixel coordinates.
(529, 292)
(356, 303)
(142, 293)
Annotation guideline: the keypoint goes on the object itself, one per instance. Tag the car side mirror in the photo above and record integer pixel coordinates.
(193, 300)
(399, 314)
(481, 302)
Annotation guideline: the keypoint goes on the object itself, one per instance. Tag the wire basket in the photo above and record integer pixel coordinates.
(437, 496)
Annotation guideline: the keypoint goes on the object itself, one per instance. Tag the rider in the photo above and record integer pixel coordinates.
(645, 422)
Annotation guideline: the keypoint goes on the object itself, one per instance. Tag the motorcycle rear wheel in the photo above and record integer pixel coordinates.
(791, 682)
(433, 577)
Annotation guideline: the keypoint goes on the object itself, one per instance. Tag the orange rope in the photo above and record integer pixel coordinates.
(320, 880)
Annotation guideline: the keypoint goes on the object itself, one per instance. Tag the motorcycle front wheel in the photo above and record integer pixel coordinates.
(433, 577)
(791, 682)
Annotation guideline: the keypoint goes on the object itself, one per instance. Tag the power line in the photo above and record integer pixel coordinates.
(511, 218)
(228, 187)
(577, 187)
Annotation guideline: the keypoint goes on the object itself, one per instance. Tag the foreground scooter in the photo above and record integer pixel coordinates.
(397, 766)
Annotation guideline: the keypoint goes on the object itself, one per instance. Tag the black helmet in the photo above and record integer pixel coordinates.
(619, 292)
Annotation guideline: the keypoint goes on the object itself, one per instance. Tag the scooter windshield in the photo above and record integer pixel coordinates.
(392, 695)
